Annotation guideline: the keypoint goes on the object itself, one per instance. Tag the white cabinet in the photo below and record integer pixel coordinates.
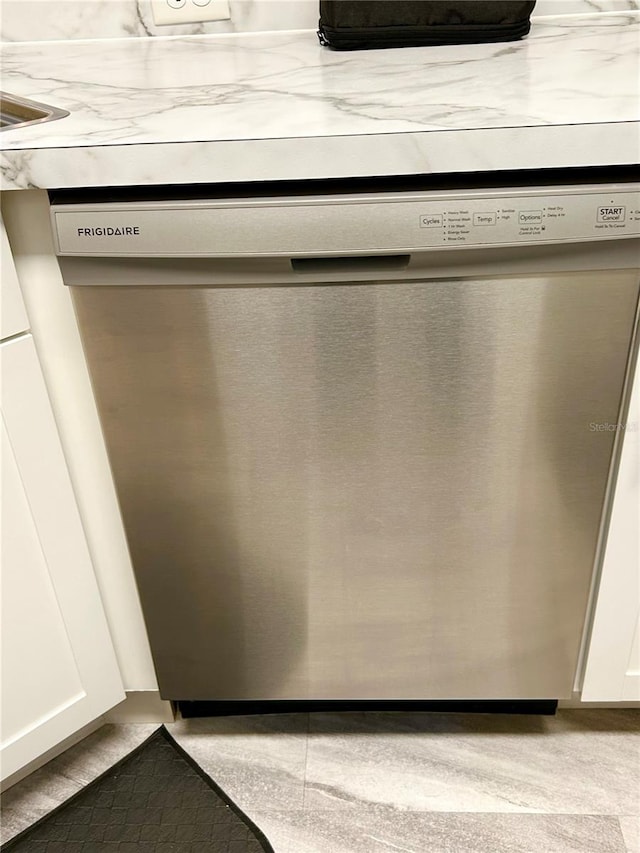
(13, 316)
(59, 668)
(55, 331)
(612, 671)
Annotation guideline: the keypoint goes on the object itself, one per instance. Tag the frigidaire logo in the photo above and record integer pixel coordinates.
(124, 231)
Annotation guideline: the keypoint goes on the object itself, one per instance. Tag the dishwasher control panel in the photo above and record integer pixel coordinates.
(349, 223)
(550, 218)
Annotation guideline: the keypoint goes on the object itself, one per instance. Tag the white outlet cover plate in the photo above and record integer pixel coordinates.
(189, 12)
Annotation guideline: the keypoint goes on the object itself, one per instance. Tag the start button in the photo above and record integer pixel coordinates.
(611, 214)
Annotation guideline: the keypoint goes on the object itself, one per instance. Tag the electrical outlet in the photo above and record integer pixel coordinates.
(172, 12)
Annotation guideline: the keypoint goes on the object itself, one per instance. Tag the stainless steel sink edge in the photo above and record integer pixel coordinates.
(17, 112)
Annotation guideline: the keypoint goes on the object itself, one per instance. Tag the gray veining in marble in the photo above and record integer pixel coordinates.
(459, 783)
(576, 763)
(571, 71)
(278, 106)
(388, 782)
(387, 830)
(261, 759)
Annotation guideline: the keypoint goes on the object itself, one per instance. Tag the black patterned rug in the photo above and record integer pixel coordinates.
(156, 800)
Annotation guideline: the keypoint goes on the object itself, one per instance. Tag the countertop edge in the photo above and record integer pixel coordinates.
(321, 157)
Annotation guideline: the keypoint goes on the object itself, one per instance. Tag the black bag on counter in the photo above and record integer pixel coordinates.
(359, 24)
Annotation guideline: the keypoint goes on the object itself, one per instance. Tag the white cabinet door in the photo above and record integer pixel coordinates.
(58, 664)
(13, 316)
(612, 671)
(53, 324)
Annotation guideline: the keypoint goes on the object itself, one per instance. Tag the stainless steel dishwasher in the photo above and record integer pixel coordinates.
(362, 441)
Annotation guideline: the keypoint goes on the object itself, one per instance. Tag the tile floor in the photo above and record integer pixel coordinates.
(389, 782)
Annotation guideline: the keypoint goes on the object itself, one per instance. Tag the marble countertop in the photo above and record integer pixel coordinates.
(277, 106)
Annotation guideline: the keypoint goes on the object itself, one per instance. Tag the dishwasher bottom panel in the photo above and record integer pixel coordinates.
(363, 491)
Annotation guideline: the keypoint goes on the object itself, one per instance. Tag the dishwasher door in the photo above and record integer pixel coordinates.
(365, 490)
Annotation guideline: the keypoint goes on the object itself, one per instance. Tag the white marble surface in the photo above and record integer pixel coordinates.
(278, 106)
(35, 20)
